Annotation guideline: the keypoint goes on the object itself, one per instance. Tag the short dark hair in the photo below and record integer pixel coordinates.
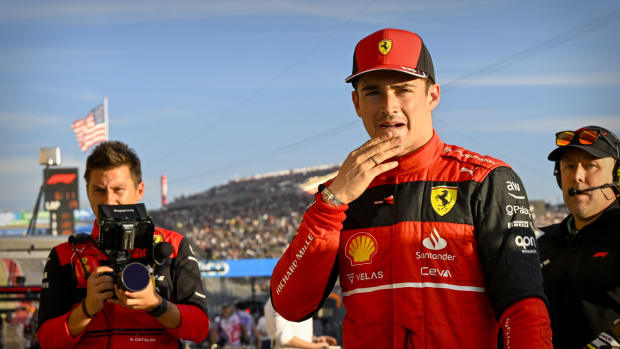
(112, 154)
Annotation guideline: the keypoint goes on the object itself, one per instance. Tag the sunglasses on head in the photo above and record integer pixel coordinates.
(584, 136)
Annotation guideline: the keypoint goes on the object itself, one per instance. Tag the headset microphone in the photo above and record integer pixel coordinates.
(573, 191)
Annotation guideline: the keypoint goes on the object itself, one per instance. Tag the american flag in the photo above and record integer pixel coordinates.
(92, 129)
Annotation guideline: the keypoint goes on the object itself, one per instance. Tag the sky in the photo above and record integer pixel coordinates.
(209, 91)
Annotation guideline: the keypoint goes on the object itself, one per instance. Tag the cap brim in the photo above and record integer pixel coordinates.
(557, 153)
(387, 67)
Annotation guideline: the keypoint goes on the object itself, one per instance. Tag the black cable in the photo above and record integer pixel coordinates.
(542, 46)
(280, 150)
(276, 77)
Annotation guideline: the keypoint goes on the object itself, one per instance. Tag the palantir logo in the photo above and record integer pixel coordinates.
(434, 241)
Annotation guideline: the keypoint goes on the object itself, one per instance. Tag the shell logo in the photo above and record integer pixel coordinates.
(361, 248)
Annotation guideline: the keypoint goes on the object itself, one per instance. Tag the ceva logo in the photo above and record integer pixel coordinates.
(434, 241)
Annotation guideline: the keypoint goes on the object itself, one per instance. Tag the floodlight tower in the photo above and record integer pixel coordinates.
(48, 156)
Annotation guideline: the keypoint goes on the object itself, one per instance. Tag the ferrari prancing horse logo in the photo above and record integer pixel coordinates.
(443, 199)
(385, 46)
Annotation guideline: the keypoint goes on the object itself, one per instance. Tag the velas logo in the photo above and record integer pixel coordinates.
(360, 248)
(443, 199)
(385, 46)
(434, 241)
(61, 178)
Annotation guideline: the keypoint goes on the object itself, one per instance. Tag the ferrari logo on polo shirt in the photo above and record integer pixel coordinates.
(85, 263)
(157, 238)
(443, 199)
(385, 46)
(360, 248)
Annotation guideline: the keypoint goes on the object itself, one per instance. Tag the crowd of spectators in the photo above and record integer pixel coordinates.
(255, 217)
(247, 218)
(547, 214)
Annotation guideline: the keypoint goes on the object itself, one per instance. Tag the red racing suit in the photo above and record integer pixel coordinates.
(64, 287)
(432, 255)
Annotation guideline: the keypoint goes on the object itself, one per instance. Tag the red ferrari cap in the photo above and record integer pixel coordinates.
(392, 49)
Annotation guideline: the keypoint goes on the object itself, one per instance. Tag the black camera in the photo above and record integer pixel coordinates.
(125, 229)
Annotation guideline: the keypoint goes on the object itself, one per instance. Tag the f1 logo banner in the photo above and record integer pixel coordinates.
(61, 198)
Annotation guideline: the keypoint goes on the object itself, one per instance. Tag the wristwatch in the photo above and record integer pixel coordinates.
(330, 198)
(160, 309)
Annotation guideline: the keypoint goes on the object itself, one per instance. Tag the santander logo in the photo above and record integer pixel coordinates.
(434, 241)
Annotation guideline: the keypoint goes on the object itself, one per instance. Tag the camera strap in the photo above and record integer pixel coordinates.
(79, 239)
(74, 240)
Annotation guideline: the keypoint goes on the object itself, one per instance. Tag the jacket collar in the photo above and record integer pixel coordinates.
(419, 159)
(95, 231)
(611, 212)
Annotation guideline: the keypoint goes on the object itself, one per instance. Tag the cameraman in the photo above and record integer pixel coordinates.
(82, 306)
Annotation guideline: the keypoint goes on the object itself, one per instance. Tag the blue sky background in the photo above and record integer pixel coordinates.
(207, 91)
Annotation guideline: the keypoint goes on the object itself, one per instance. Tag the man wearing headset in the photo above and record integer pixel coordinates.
(580, 256)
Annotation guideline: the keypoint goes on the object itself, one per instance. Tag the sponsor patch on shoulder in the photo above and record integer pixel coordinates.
(470, 157)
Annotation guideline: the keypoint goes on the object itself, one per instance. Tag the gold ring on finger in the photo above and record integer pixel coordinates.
(374, 160)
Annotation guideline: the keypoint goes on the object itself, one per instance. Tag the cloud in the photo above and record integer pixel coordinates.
(25, 165)
(86, 11)
(23, 122)
(21, 177)
(19, 165)
(551, 125)
(82, 96)
(487, 121)
(593, 79)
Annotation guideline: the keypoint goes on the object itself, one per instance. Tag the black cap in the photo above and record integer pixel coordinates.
(601, 148)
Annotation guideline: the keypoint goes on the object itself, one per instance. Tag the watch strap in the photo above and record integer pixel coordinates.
(86, 311)
(160, 309)
(330, 198)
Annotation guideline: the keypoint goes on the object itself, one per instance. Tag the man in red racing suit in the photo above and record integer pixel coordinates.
(78, 307)
(433, 244)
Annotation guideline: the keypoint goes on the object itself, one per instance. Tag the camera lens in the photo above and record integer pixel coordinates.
(135, 277)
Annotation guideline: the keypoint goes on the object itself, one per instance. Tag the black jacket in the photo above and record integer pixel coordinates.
(582, 277)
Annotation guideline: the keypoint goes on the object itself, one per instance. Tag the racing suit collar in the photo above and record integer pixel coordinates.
(420, 158)
(95, 231)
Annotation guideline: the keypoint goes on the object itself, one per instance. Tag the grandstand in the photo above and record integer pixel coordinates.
(250, 217)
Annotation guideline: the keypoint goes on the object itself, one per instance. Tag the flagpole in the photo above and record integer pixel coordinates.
(105, 115)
